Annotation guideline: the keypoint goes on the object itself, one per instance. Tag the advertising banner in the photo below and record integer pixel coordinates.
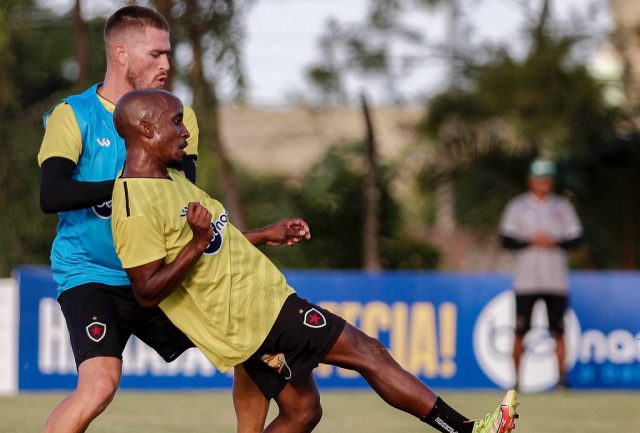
(8, 336)
(451, 330)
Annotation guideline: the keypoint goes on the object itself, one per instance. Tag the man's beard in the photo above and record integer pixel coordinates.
(136, 83)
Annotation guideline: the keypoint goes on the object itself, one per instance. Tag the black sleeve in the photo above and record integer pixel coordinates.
(512, 243)
(188, 167)
(59, 192)
(571, 244)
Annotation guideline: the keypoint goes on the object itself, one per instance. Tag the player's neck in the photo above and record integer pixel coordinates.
(114, 87)
(140, 165)
(540, 196)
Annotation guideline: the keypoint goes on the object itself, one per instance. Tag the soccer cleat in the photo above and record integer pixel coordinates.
(503, 419)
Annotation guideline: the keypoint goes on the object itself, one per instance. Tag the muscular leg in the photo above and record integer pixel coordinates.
(357, 351)
(299, 408)
(517, 355)
(98, 380)
(560, 354)
(250, 404)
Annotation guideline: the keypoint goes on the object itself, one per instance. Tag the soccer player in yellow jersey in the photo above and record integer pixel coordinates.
(182, 253)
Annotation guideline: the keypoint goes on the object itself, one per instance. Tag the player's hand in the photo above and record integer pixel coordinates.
(199, 220)
(543, 240)
(288, 231)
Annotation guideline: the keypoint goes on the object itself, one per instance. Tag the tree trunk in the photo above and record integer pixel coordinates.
(445, 224)
(80, 34)
(164, 8)
(206, 106)
(541, 27)
(371, 207)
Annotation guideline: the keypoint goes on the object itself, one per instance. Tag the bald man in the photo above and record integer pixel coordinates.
(80, 156)
(183, 254)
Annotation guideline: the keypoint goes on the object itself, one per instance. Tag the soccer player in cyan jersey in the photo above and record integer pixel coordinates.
(182, 253)
(81, 154)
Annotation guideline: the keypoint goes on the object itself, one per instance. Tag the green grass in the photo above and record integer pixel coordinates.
(344, 412)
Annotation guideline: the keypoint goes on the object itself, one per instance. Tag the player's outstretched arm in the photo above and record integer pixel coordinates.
(152, 282)
(288, 231)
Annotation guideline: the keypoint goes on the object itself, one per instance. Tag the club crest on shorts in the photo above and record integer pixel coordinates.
(314, 319)
(96, 331)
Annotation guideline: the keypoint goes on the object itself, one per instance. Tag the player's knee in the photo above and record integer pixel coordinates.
(99, 394)
(522, 327)
(309, 416)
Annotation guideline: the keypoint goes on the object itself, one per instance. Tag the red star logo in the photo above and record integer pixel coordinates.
(96, 330)
(314, 319)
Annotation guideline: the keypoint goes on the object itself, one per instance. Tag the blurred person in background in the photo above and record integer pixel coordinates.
(80, 156)
(540, 227)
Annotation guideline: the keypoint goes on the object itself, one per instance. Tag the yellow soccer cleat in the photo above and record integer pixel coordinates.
(503, 419)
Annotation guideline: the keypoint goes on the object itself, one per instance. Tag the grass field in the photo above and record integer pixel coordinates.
(344, 412)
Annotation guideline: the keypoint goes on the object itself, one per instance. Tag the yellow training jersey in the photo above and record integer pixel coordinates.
(233, 294)
(62, 138)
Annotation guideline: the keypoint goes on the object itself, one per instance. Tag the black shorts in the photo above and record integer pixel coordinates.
(300, 338)
(556, 307)
(101, 318)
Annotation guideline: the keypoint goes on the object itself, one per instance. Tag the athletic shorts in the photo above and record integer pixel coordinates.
(101, 318)
(302, 335)
(556, 307)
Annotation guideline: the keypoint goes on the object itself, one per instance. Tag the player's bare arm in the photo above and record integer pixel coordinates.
(154, 281)
(288, 231)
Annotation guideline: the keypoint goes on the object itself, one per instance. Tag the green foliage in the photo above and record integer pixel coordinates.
(331, 201)
(34, 54)
(516, 109)
(467, 107)
(553, 104)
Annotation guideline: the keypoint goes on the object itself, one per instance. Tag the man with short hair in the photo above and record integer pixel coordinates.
(182, 253)
(80, 156)
(540, 227)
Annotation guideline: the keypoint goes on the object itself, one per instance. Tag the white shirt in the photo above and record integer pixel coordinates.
(540, 269)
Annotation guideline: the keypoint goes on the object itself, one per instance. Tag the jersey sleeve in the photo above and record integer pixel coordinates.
(138, 241)
(191, 123)
(571, 228)
(62, 136)
(509, 224)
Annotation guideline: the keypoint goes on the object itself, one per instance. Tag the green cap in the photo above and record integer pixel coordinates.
(542, 168)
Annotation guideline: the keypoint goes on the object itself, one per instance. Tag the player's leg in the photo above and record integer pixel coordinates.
(357, 351)
(524, 309)
(556, 308)
(250, 404)
(98, 338)
(98, 380)
(299, 409)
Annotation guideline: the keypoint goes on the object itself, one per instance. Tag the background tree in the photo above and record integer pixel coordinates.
(213, 31)
(546, 103)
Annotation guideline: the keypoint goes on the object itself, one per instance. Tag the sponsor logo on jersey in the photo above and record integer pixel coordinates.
(218, 226)
(103, 210)
(103, 142)
(314, 319)
(96, 331)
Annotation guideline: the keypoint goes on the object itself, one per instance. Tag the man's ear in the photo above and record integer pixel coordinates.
(147, 129)
(120, 54)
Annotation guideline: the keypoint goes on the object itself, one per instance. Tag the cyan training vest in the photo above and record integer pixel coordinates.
(83, 250)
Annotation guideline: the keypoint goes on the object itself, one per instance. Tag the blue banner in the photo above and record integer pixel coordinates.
(451, 330)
